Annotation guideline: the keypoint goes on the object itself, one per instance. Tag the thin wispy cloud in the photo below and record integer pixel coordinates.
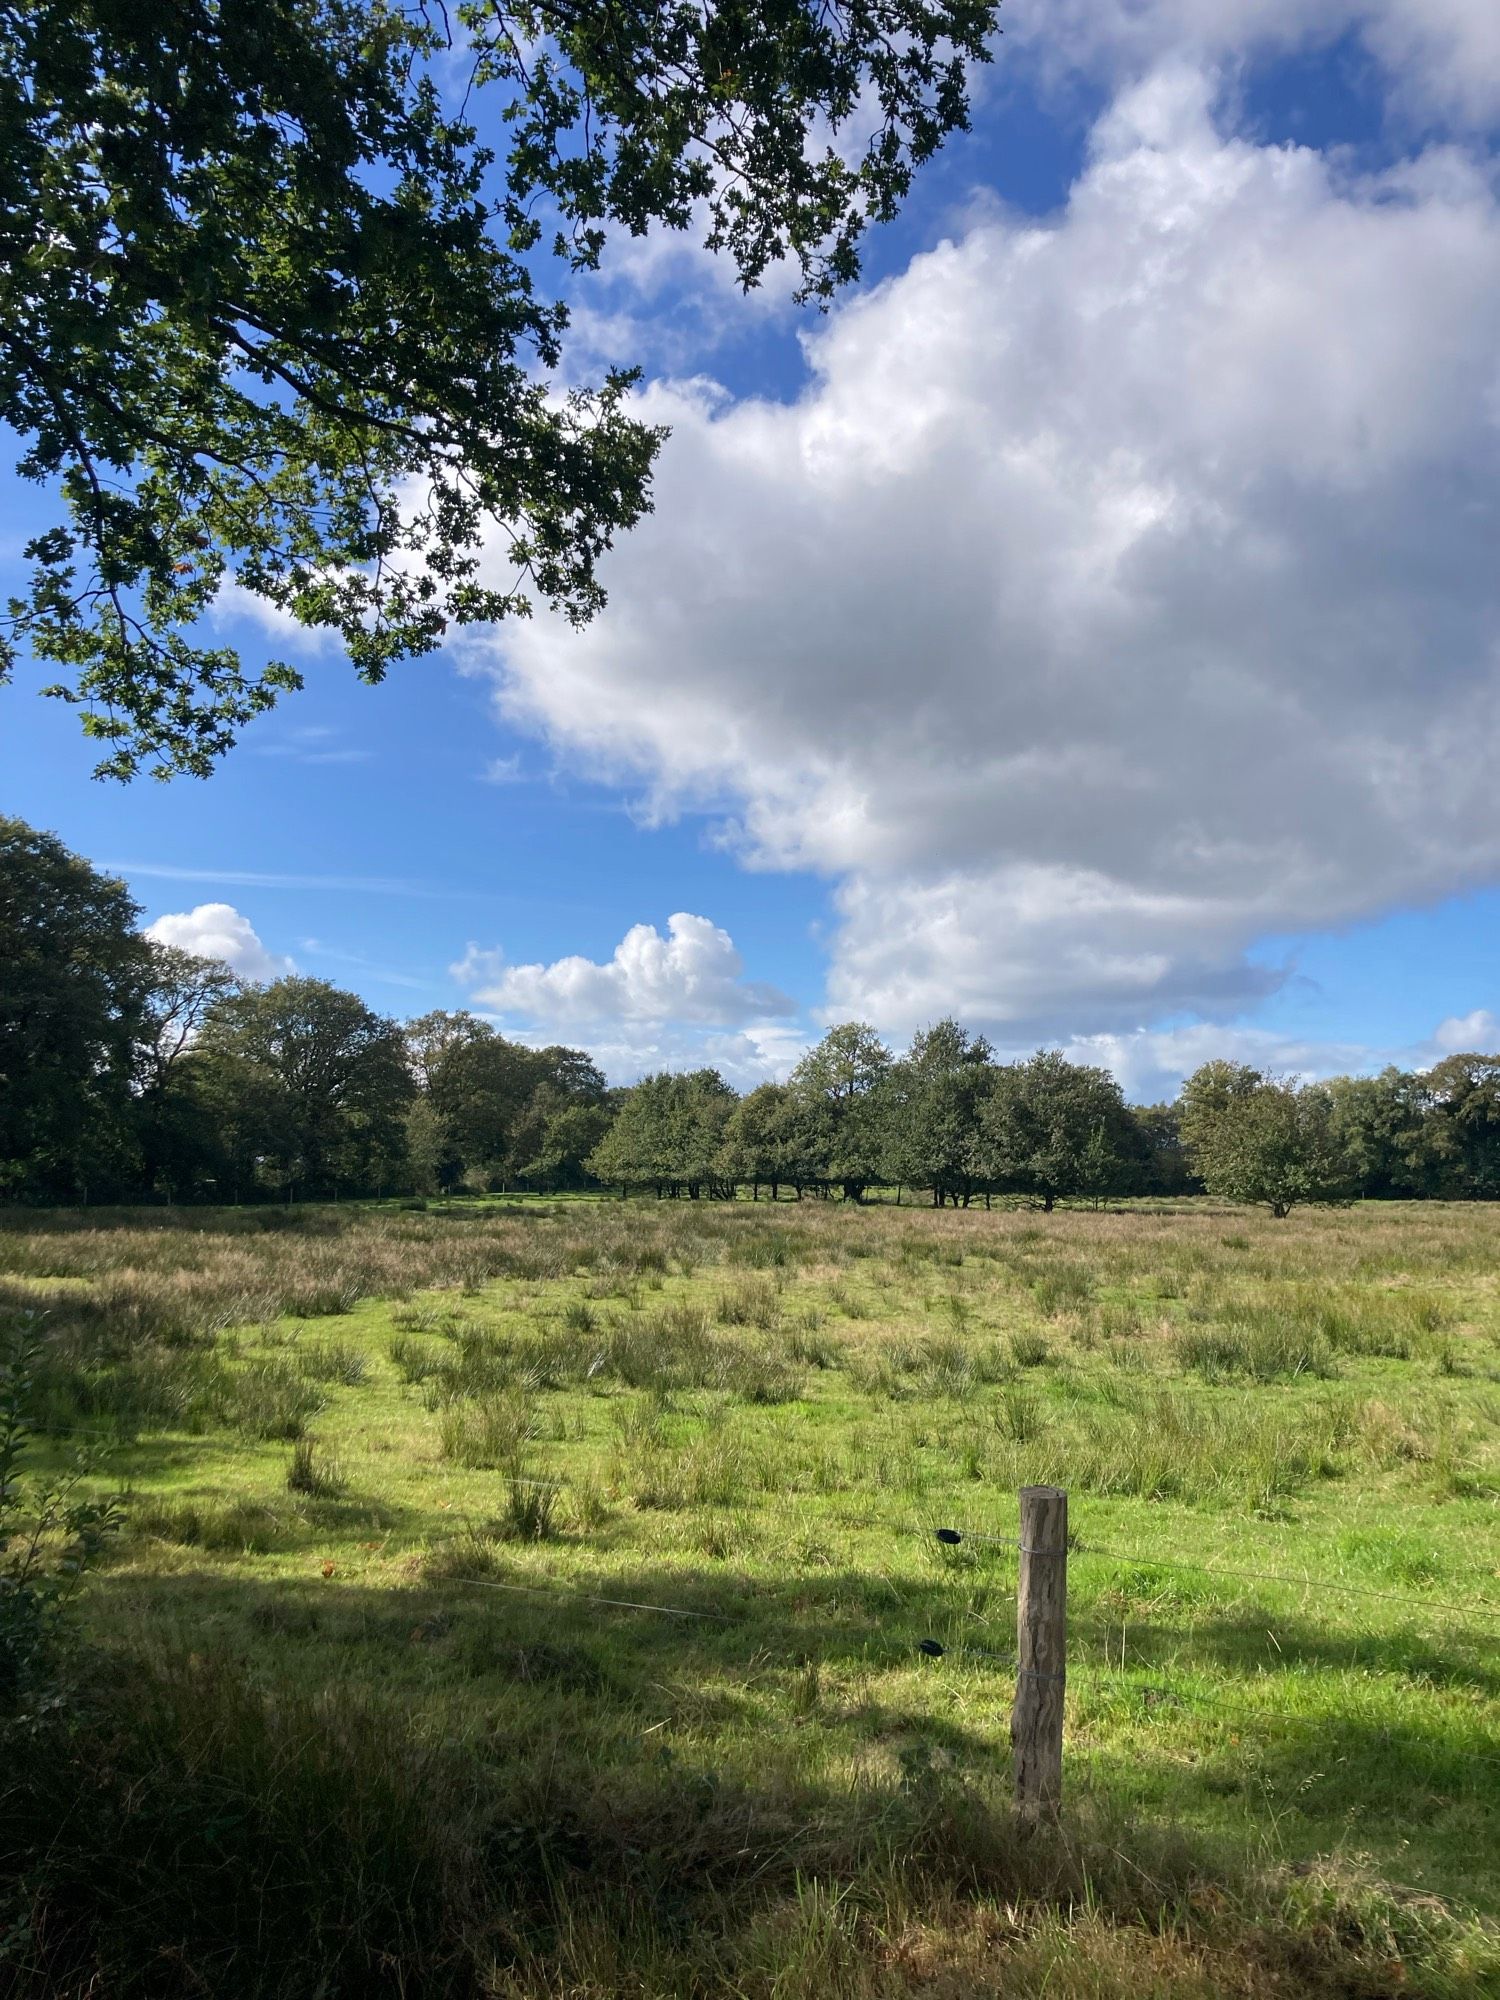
(255, 878)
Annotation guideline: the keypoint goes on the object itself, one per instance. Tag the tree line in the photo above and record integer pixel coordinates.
(131, 1070)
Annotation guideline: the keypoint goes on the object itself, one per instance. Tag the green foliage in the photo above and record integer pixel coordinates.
(935, 1100)
(1053, 1128)
(74, 983)
(1463, 1130)
(769, 1140)
(271, 311)
(490, 1112)
(1257, 1140)
(668, 1132)
(315, 1084)
(842, 1088)
(50, 1536)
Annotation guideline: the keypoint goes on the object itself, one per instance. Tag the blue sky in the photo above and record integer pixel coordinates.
(1090, 626)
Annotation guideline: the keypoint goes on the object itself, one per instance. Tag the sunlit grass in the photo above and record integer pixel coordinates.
(344, 1432)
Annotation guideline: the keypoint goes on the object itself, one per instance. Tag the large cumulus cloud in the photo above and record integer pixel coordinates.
(1120, 589)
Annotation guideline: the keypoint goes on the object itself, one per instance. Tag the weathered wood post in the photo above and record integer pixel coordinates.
(1036, 1724)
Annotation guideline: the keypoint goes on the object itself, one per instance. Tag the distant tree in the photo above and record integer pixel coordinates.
(565, 1115)
(635, 1151)
(181, 1148)
(433, 1037)
(668, 1134)
(183, 989)
(75, 977)
(840, 1086)
(767, 1143)
(701, 1104)
(935, 1096)
(1054, 1128)
(488, 1098)
(272, 310)
(1463, 1125)
(317, 1084)
(555, 1138)
(1163, 1162)
(426, 1156)
(1385, 1128)
(572, 1073)
(1257, 1139)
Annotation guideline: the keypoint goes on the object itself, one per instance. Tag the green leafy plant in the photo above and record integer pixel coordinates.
(50, 1535)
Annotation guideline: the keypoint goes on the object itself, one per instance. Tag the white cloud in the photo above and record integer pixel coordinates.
(692, 975)
(1463, 1034)
(504, 771)
(1119, 591)
(1150, 1064)
(233, 601)
(1441, 58)
(762, 1052)
(219, 930)
(478, 966)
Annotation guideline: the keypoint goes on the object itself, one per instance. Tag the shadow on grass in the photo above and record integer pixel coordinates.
(610, 1654)
(322, 1786)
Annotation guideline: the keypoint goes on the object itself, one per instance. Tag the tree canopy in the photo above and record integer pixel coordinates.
(275, 311)
(1260, 1139)
(74, 975)
(132, 1070)
(1054, 1128)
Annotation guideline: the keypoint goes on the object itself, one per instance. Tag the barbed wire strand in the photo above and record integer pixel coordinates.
(949, 1537)
(1155, 1690)
(589, 1597)
(953, 1537)
(1299, 1582)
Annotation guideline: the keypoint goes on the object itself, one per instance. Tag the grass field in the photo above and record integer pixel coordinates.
(358, 1719)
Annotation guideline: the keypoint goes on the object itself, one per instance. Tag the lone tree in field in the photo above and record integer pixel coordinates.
(1258, 1139)
(273, 300)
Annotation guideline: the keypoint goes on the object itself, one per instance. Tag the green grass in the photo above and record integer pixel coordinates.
(383, 1464)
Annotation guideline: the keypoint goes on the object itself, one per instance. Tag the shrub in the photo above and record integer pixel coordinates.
(49, 1537)
(1263, 1347)
(1063, 1289)
(413, 1360)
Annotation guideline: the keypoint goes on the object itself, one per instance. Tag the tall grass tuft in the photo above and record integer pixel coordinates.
(487, 1433)
(531, 1506)
(271, 1399)
(314, 1471)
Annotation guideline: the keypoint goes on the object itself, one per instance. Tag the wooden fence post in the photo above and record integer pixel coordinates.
(1036, 1725)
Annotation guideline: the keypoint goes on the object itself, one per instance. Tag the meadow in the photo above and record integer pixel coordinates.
(528, 1598)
